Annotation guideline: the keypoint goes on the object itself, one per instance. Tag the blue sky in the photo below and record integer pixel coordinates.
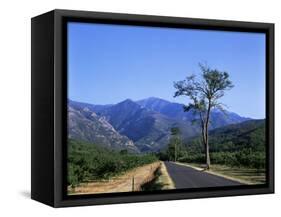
(110, 63)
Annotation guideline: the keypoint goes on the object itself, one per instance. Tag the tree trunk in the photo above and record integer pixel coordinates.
(208, 161)
(175, 151)
(206, 146)
(207, 154)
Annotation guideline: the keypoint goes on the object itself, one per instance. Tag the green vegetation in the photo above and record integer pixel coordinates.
(237, 145)
(88, 162)
(174, 144)
(244, 158)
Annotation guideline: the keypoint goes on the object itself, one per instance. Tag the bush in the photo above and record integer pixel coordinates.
(243, 158)
(189, 157)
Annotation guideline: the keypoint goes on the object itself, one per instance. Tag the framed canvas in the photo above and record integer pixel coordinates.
(134, 108)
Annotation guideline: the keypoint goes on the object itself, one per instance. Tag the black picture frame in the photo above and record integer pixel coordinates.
(49, 107)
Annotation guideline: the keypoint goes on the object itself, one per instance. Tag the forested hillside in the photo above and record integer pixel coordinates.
(240, 144)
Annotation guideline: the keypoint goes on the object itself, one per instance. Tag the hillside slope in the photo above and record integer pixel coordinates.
(149, 130)
(85, 125)
(235, 137)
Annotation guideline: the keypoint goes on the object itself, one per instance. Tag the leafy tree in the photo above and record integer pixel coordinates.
(204, 94)
(174, 144)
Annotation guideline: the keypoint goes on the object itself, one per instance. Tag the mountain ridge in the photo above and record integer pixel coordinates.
(148, 122)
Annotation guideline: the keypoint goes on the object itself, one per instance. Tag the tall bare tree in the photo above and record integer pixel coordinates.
(204, 94)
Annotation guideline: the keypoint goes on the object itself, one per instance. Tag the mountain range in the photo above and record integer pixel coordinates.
(138, 126)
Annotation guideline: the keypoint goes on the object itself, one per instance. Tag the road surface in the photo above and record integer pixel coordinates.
(187, 177)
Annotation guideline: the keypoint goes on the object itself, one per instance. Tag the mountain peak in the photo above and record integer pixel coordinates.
(126, 102)
(126, 105)
(156, 99)
(153, 103)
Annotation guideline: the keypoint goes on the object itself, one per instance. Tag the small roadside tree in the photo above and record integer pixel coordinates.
(204, 94)
(174, 144)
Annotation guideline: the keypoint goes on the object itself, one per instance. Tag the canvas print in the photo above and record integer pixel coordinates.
(157, 109)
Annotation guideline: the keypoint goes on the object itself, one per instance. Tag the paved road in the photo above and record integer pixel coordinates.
(187, 177)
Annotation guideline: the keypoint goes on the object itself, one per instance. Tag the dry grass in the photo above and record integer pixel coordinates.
(165, 178)
(130, 181)
(162, 180)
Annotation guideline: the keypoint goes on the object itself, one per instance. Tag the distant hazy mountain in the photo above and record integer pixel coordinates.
(81, 105)
(148, 122)
(175, 110)
(149, 130)
(85, 125)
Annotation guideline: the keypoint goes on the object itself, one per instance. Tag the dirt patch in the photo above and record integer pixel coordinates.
(130, 181)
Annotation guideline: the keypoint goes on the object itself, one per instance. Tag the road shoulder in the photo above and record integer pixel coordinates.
(165, 178)
(214, 173)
